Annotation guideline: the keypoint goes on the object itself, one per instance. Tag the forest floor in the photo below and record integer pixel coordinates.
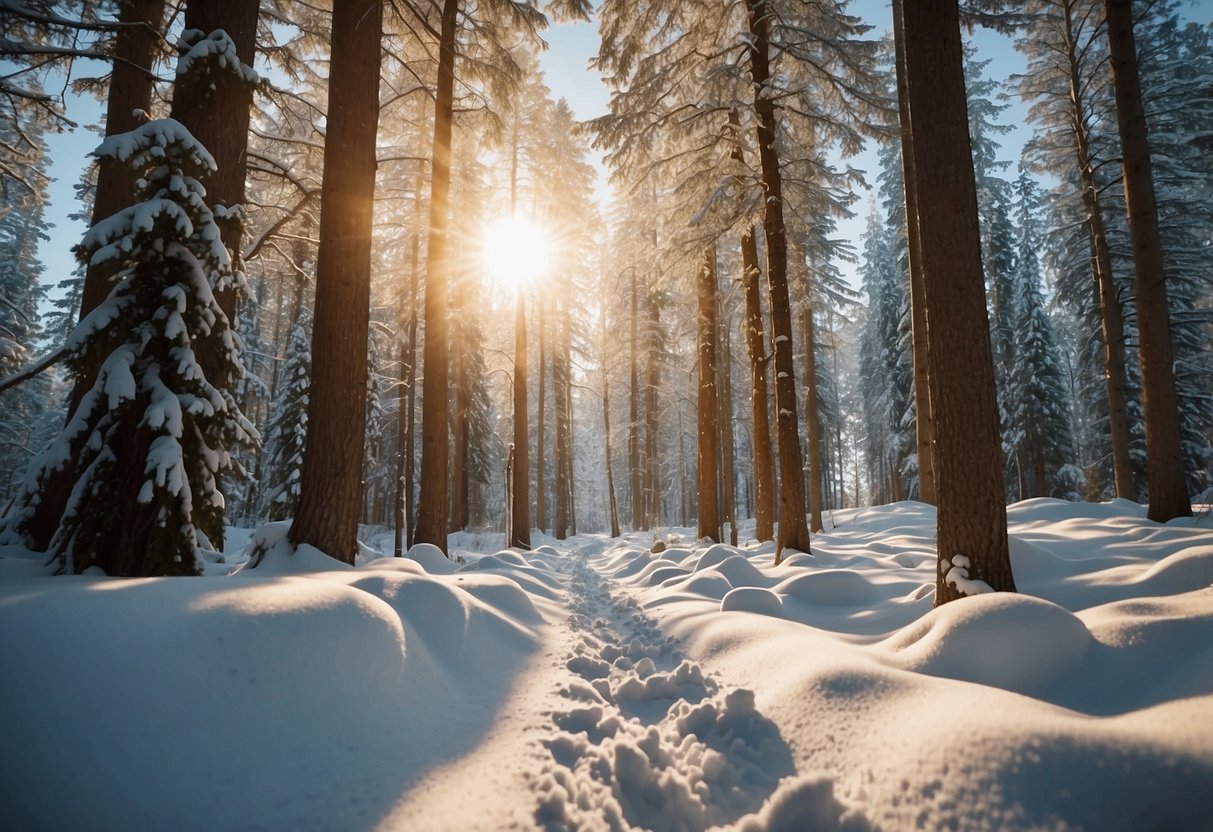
(593, 684)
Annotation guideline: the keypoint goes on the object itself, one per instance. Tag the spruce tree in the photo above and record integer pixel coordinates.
(153, 433)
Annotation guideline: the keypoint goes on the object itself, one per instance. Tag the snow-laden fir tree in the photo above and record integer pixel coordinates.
(1039, 444)
(152, 435)
(23, 229)
(283, 455)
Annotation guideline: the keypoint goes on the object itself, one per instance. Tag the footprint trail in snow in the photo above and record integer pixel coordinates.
(647, 739)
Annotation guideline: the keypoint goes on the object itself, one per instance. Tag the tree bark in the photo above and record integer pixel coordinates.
(764, 475)
(331, 481)
(813, 419)
(793, 530)
(652, 486)
(724, 362)
(634, 413)
(130, 90)
(215, 109)
(1156, 354)
(1110, 314)
(560, 381)
(408, 389)
(520, 511)
(541, 517)
(924, 423)
(606, 431)
(708, 430)
(432, 511)
(972, 518)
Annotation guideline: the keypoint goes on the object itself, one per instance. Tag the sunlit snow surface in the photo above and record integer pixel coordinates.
(594, 685)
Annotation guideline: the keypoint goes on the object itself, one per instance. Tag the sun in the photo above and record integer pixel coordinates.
(514, 253)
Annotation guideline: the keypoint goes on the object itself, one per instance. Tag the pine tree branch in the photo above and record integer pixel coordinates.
(39, 367)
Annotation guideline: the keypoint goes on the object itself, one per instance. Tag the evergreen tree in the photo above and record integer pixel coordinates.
(1038, 420)
(152, 435)
(287, 432)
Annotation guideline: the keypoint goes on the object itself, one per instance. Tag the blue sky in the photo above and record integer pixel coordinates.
(565, 64)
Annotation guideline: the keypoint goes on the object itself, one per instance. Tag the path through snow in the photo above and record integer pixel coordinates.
(648, 740)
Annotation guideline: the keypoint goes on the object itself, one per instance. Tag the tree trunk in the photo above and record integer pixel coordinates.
(683, 513)
(130, 90)
(652, 487)
(764, 475)
(972, 520)
(459, 415)
(634, 414)
(408, 388)
(569, 455)
(812, 418)
(1110, 313)
(793, 530)
(541, 517)
(520, 511)
(432, 511)
(331, 481)
(924, 424)
(606, 432)
(215, 109)
(725, 395)
(1164, 455)
(708, 431)
(560, 381)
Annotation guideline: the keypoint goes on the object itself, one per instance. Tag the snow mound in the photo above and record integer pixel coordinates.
(661, 574)
(740, 572)
(511, 557)
(431, 558)
(1002, 639)
(715, 554)
(803, 803)
(270, 553)
(1184, 571)
(752, 599)
(710, 585)
(830, 588)
(677, 554)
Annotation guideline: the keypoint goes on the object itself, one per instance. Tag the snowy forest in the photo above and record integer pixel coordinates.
(362, 303)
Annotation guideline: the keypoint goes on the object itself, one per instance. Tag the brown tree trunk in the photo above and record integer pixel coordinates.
(708, 431)
(652, 486)
(215, 109)
(1156, 354)
(813, 419)
(520, 511)
(459, 413)
(331, 481)
(130, 90)
(725, 395)
(972, 520)
(924, 424)
(571, 479)
(408, 388)
(560, 381)
(793, 530)
(606, 431)
(541, 517)
(682, 473)
(634, 413)
(432, 511)
(764, 475)
(1110, 313)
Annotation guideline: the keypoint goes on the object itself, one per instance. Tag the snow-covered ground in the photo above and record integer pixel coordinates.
(592, 684)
